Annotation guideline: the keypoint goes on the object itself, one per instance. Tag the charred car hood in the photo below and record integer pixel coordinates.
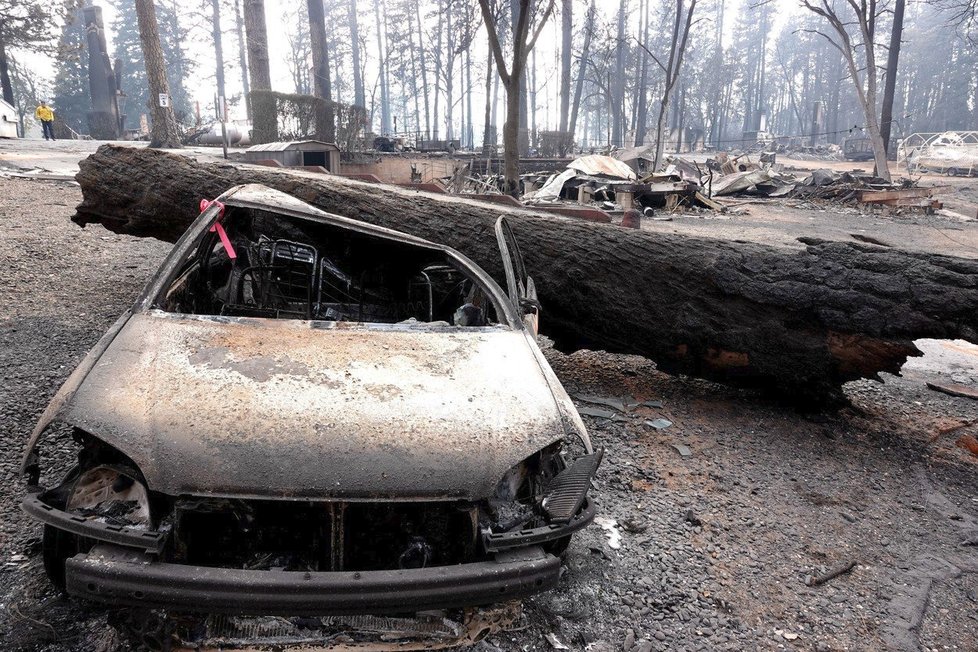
(296, 409)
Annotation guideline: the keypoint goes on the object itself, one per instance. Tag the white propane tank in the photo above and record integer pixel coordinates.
(213, 137)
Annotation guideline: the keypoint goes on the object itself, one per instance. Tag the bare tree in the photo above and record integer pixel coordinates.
(385, 100)
(29, 88)
(299, 53)
(677, 50)
(566, 36)
(618, 84)
(359, 99)
(164, 132)
(862, 69)
(512, 76)
(892, 61)
(963, 14)
(424, 70)
(487, 135)
(642, 109)
(582, 68)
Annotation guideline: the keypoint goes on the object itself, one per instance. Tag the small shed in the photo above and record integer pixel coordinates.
(297, 153)
(8, 120)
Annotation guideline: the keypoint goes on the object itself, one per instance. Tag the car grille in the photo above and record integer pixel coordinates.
(317, 536)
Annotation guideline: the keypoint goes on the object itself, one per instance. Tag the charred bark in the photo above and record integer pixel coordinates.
(795, 322)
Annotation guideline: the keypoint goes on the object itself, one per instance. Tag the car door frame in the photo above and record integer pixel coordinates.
(520, 288)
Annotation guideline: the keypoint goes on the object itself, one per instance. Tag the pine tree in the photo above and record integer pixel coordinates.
(71, 95)
(24, 24)
(129, 51)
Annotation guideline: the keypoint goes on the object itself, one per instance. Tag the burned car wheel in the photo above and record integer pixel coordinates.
(307, 415)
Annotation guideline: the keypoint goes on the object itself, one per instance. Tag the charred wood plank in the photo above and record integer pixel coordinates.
(795, 322)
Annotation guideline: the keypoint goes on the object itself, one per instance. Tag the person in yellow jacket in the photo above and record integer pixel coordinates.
(46, 116)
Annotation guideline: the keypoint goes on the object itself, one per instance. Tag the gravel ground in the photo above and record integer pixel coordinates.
(708, 551)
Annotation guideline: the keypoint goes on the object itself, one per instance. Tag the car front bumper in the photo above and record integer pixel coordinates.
(115, 575)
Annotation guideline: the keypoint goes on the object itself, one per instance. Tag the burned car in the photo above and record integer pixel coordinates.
(305, 414)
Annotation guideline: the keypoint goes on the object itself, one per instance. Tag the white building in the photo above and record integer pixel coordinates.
(8, 120)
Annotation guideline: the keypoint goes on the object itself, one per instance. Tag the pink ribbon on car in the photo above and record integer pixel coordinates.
(218, 228)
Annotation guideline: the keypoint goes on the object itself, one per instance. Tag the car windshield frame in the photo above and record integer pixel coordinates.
(257, 197)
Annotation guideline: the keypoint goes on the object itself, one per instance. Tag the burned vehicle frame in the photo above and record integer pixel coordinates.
(305, 414)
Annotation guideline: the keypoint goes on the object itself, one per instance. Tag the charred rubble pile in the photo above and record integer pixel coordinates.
(595, 187)
(738, 175)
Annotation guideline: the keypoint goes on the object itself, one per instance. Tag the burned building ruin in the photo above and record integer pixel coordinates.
(105, 120)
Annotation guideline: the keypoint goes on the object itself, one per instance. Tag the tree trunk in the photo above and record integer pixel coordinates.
(8, 88)
(867, 101)
(677, 50)
(514, 80)
(493, 119)
(762, 62)
(414, 72)
(219, 72)
(832, 117)
(242, 57)
(322, 87)
(670, 80)
(797, 322)
(358, 97)
(164, 132)
(892, 60)
(532, 106)
(487, 136)
(511, 138)
(469, 134)
(461, 100)
(448, 70)
(865, 20)
(257, 37)
(523, 132)
(424, 72)
(680, 121)
(618, 85)
(585, 53)
(263, 109)
(641, 107)
(385, 99)
(439, 53)
(566, 41)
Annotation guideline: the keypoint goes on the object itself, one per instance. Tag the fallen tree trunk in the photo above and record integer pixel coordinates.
(798, 323)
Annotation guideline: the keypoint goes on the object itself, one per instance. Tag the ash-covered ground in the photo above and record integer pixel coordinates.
(710, 529)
